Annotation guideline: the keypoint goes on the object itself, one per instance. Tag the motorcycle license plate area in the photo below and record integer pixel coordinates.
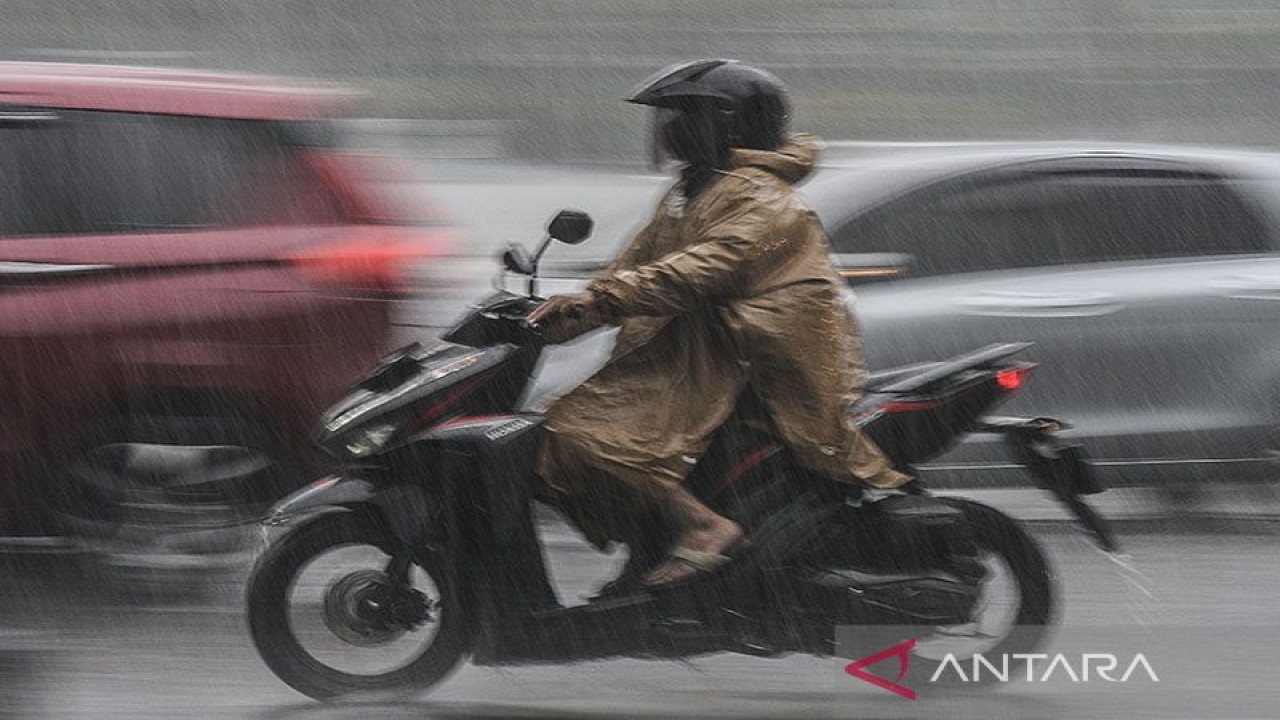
(1061, 466)
(1073, 465)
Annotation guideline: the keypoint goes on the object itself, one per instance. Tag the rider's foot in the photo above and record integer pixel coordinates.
(710, 537)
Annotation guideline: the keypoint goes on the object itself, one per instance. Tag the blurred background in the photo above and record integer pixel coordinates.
(541, 78)
(474, 123)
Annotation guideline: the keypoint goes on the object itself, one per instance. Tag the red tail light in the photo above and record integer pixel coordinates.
(394, 233)
(373, 259)
(1011, 379)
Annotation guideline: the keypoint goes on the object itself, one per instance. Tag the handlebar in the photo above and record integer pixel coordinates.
(506, 321)
(576, 311)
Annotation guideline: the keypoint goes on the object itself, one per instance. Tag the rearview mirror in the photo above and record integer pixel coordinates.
(516, 259)
(570, 226)
(860, 268)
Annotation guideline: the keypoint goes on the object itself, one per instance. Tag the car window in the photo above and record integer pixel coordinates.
(104, 172)
(1033, 218)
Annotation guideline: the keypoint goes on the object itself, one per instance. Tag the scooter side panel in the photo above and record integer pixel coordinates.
(406, 508)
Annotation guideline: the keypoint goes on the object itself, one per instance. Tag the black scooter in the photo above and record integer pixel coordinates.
(435, 498)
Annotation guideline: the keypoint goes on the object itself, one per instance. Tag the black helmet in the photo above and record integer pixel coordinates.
(705, 107)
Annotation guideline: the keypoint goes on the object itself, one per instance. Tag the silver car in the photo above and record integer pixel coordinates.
(1148, 277)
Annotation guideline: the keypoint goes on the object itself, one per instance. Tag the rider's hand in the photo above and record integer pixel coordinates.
(557, 304)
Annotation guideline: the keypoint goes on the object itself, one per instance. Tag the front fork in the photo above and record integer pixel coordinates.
(403, 606)
(1058, 466)
(397, 570)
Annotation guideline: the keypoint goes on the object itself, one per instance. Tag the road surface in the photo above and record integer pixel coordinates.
(106, 651)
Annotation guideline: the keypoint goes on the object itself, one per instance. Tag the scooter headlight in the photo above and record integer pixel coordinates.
(378, 403)
(367, 441)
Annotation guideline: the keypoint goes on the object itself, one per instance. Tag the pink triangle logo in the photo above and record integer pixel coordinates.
(902, 652)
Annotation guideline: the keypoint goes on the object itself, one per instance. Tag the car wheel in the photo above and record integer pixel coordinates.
(168, 490)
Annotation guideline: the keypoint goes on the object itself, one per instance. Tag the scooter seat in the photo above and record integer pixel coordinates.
(884, 378)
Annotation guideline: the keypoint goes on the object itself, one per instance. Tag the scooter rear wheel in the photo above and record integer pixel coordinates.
(1005, 542)
(353, 607)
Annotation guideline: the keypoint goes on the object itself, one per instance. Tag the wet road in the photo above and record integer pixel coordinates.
(104, 650)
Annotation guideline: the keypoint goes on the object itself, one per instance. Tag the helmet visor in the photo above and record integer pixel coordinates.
(685, 136)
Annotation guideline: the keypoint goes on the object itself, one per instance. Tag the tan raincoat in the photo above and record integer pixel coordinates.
(735, 288)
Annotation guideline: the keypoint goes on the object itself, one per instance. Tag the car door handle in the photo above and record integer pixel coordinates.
(1029, 304)
(1249, 287)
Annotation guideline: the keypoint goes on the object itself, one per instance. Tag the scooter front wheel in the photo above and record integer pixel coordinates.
(332, 616)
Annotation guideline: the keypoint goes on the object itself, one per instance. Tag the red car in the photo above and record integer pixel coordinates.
(190, 271)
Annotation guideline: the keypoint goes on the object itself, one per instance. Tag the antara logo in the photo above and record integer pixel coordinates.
(1002, 668)
(902, 651)
(1102, 665)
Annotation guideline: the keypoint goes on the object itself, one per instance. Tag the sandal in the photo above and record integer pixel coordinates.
(703, 563)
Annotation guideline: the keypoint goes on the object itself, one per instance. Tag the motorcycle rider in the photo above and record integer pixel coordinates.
(729, 287)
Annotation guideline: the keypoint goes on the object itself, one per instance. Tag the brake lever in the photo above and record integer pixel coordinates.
(576, 311)
(524, 324)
